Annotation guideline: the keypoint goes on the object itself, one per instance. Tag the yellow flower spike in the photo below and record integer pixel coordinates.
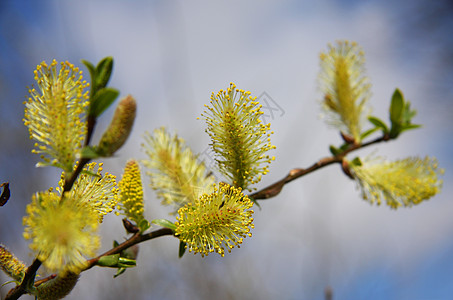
(403, 182)
(215, 221)
(345, 86)
(175, 173)
(239, 139)
(93, 188)
(12, 266)
(63, 231)
(131, 192)
(119, 129)
(55, 114)
(57, 288)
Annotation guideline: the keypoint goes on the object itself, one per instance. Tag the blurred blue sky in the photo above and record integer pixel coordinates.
(171, 55)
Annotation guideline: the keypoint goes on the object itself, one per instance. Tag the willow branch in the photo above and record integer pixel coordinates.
(275, 188)
(133, 240)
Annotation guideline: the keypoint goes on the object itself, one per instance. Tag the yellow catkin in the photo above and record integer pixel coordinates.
(12, 266)
(403, 182)
(63, 231)
(345, 87)
(55, 113)
(216, 221)
(131, 192)
(238, 137)
(94, 188)
(175, 173)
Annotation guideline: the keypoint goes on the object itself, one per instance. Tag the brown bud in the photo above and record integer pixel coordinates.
(345, 168)
(4, 197)
(131, 228)
(347, 138)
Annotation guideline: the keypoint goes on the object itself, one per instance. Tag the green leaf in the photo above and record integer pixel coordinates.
(164, 223)
(334, 150)
(344, 147)
(103, 72)
(255, 202)
(92, 71)
(102, 100)
(182, 248)
(89, 152)
(396, 107)
(124, 262)
(115, 244)
(410, 126)
(90, 68)
(368, 132)
(110, 261)
(144, 225)
(120, 271)
(356, 162)
(379, 124)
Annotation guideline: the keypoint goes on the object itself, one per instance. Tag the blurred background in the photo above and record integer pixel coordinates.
(171, 55)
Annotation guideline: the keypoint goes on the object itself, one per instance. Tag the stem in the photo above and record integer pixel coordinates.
(69, 183)
(135, 239)
(275, 188)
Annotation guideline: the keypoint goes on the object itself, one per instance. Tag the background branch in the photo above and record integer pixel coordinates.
(275, 188)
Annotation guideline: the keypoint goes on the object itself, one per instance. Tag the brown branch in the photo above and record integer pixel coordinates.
(275, 188)
(135, 239)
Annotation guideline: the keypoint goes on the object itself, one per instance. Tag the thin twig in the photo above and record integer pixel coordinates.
(135, 239)
(275, 188)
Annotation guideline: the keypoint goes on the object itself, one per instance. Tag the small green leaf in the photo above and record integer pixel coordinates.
(410, 126)
(144, 225)
(126, 262)
(368, 132)
(182, 248)
(255, 202)
(379, 124)
(356, 162)
(334, 150)
(90, 68)
(115, 244)
(120, 271)
(396, 107)
(92, 71)
(110, 261)
(102, 100)
(344, 147)
(164, 223)
(103, 72)
(89, 152)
